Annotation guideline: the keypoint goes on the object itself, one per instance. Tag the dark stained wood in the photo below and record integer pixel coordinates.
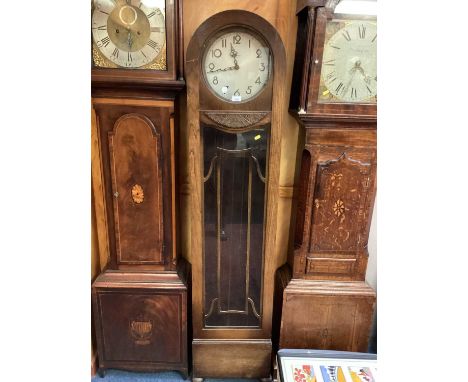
(136, 184)
(140, 300)
(141, 321)
(140, 154)
(327, 315)
(228, 351)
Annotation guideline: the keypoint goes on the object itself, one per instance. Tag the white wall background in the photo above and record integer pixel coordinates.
(371, 274)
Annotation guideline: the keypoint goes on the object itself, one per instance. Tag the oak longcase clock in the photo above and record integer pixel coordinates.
(334, 99)
(235, 63)
(140, 300)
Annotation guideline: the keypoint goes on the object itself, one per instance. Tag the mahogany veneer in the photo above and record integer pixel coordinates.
(141, 321)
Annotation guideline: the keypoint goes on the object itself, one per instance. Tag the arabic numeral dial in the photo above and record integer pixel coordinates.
(236, 65)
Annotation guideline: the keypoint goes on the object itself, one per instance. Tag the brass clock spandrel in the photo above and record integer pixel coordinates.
(129, 34)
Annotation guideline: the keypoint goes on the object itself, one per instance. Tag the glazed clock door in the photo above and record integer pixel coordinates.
(234, 216)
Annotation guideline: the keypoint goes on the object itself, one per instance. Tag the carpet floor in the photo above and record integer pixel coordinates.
(172, 376)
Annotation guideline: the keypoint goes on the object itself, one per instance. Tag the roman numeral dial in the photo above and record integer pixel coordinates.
(128, 34)
(348, 71)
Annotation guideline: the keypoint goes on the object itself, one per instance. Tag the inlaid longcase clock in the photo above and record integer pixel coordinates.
(334, 98)
(140, 300)
(235, 64)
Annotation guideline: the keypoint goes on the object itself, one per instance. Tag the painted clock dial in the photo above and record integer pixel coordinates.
(129, 34)
(237, 65)
(349, 63)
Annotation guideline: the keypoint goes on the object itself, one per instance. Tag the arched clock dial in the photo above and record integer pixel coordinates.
(349, 64)
(237, 65)
(130, 34)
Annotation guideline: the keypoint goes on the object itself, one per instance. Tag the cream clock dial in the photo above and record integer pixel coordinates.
(349, 64)
(237, 65)
(130, 34)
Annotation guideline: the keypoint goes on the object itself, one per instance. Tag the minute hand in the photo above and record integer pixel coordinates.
(223, 70)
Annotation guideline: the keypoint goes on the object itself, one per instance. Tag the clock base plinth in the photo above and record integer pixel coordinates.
(231, 358)
(328, 315)
(141, 321)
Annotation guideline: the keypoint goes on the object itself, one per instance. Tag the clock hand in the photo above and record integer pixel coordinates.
(233, 55)
(224, 70)
(353, 70)
(357, 66)
(129, 39)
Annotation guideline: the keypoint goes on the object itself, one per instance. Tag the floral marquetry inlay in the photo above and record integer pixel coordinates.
(137, 194)
(338, 208)
(340, 195)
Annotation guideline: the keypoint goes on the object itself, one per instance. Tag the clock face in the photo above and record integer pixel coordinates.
(237, 65)
(349, 62)
(129, 34)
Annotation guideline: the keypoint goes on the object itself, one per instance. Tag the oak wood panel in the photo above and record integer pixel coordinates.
(327, 315)
(229, 359)
(337, 194)
(99, 203)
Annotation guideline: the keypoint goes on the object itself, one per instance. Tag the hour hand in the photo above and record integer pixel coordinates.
(129, 40)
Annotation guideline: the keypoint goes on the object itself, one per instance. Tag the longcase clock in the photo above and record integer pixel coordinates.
(140, 300)
(334, 98)
(235, 64)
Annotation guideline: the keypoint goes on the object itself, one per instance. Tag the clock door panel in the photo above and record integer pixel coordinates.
(141, 326)
(234, 197)
(135, 150)
(340, 199)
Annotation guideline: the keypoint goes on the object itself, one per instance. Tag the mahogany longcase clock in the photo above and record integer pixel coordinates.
(334, 98)
(235, 64)
(140, 300)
